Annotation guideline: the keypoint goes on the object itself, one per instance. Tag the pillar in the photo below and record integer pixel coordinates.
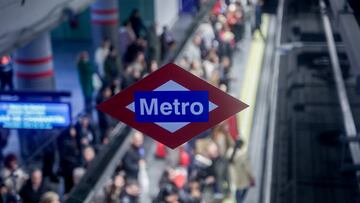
(33, 71)
(34, 65)
(105, 21)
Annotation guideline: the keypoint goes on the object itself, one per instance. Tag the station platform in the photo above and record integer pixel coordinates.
(299, 77)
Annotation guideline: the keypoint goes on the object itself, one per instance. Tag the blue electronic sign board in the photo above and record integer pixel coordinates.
(34, 115)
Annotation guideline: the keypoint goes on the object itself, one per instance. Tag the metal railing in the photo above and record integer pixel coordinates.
(348, 119)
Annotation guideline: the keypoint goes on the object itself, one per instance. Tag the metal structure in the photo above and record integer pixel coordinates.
(269, 150)
(349, 29)
(295, 135)
(349, 123)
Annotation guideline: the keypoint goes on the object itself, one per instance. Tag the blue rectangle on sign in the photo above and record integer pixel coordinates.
(172, 106)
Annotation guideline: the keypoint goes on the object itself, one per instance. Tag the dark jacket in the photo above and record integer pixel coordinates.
(29, 195)
(88, 133)
(69, 151)
(112, 69)
(219, 168)
(132, 51)
(130, 163)
(85, 76)
(104, 120)
(137, 25)
(258, 14)
(7, 198)
(154, 45)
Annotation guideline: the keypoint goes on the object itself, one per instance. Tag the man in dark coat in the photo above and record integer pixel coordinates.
(105, 121)
(258, 18)
(86, 71)
(112, 67)
(166, 39)
(153, 45)
(137, 23)
(70, 155)
(133, 157)
(32, 191)
(86, 131)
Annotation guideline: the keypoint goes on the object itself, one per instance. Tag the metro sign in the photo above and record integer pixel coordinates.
(171, 105)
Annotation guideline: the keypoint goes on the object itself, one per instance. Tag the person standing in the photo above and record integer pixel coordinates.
(112, 68)
(193, 51)
(6, 73)
(137, 23)
(134, 157)
(70, 155)
(131, 193)
(115, 189)
(85, 71)
(5, 194)
(86, 131)
(258, 18)
(13, 176)
(240, 171)
(105, 122)
(34, 188)
(126, 37)
(100, 55)
(88, 154)
(153, 40)
(166, 39)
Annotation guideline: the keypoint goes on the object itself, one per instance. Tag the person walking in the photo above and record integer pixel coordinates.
(166, 39)
(240, 171)
(85, 71)
(100, 55)
(69, 145)
(137, 23)
(33, 190)
(153, 40)
(112, 69)
(133, 158)
(258, 18)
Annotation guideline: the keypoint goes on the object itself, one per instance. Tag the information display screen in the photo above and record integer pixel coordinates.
(34, 115)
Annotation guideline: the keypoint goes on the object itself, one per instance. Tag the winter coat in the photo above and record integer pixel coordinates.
(86, 71)
(130, 163)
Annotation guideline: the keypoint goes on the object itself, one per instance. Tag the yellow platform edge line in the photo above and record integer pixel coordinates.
(251, 81)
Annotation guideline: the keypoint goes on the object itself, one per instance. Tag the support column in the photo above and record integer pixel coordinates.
(34, 65)
(105, 21)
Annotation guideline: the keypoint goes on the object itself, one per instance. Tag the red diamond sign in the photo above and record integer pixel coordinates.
(171, 105)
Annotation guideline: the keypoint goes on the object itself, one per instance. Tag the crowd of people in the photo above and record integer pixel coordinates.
(210, 168)
(213, 167)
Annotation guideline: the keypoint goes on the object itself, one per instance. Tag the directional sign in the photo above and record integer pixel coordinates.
(171, 105)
